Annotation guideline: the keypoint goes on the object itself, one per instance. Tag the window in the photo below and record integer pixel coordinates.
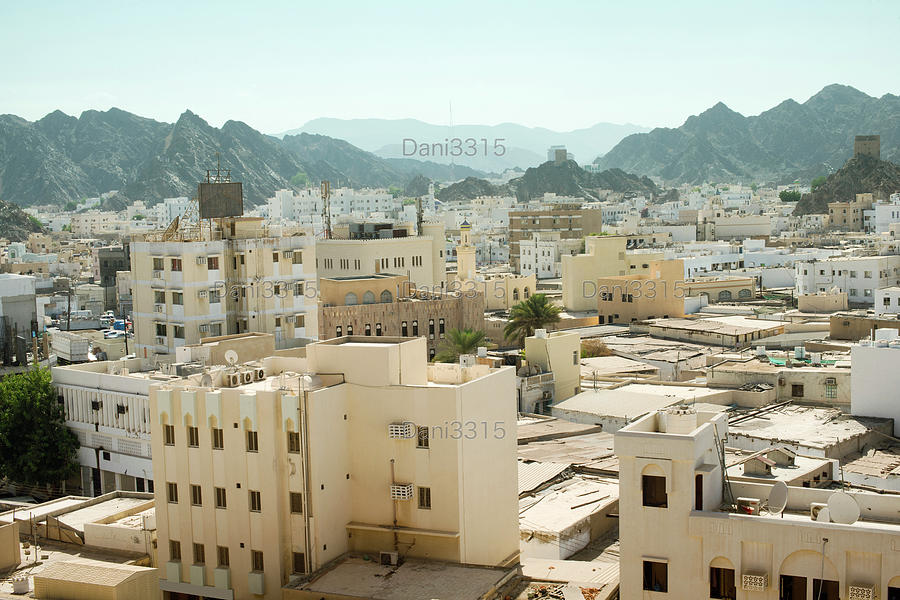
(831, 390)
(299, 562)
(196, 495)
(424, 497)
(159, 297)
(221, 499)
(853, 274)
(867, 275)
(350, 299)
(378, 329)
(386, 297)
(854, 292)
(793, 587)
(422, 440)
(172, 492)
(653, 489)
(255, 501)
(274, 257)
(431, 328)
(293, 442)
(178, 331)
(298, 289)
(721, 583)
(867, 292)
(797, 390)
(174, 550)
(404, 329)
(368, 329)
(161, 329)
(218, 439)
(193, 437)
(256, 560)
(212, 263)
(415, 329)
(296, 503)
(169, 435)
(337, 331)
(252, 441)
(158, 264)
(199, 554)
(298, 257)
(575, 357)
(698, 492)
(176, 264)
(349, 329)
(222, 558)
(656, 576)
(299, 320)
(178, 298)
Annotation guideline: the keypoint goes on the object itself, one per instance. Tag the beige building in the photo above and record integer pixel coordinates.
(848, 216)
(721, 289)
(678, 542)
(81, 579)
(371, 450)
(238, 280)
(569, 220)
(420, 258)
(604, 256)
(559, 353)
(501, 291)
(658, 292)
(388, 305)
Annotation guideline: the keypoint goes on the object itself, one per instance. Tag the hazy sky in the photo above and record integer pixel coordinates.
(561, 65)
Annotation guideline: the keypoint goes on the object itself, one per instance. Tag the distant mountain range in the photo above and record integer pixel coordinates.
(861, 174)
(782, 144)
(522, 146)
(60, 158)
(564, 179)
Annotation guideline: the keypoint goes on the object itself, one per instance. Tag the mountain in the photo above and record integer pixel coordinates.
(785, 142)
(564, 179)
(521, 146)
(61, 158)
(862, 174)
(15, 224)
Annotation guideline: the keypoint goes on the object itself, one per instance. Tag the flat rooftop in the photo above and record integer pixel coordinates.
(731, 325)
(592, 452)
(636, 399)
(356, 577)
(565, 504)
(534, 428)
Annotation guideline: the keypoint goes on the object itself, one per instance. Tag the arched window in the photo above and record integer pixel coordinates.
(527, 293)
(744, 293)
(653, 487)
(515, 293)
(724, 295)
(350, 299)
(386, 296)
(368, 297)
(721, 578)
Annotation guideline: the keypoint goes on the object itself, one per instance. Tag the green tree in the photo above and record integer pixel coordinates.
(395, 191)
(300, 180)
(36, 447)
(459, 341)
(70, 206)
(817, 182)
(137, 218)
(789, 196)
(533, 313)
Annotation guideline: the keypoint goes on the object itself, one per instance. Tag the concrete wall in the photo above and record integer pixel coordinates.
(10, 553)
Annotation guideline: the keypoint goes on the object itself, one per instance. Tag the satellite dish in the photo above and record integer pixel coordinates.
(231, 357)
(824, 515)
(778, 497)
(843, 508)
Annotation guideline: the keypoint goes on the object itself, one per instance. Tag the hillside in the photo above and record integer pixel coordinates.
(787, 141)
(15, 224)
(859, 175)
(61, 158)
(565, 179)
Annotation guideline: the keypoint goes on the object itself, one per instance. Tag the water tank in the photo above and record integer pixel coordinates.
(760, 350)
(540, 333)
(678, 419)
(482, 352)
(799, 352)
(467, 360)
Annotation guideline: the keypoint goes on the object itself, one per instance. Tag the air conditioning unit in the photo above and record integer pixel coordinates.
(259, 373)
(160, 341)
(388, 558)
(400, 431)
(815, 508)
(204, 328)
(233, 379)
(861, 592)
(160, 308)
(289, 254)
(247, 376)
(402, 491)
(201, 260)
(157, 274)
(748, 506)
(289, 319)
(202, 293)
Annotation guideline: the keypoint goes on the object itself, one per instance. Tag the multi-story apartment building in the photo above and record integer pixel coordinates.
(569, 220)
(422, 258)
(848, 216)
(352, 448)
(656, 292)
(387, 305)
(108, 260)
(677, 540)
(541, 255)
(240, 280)
(858, 276)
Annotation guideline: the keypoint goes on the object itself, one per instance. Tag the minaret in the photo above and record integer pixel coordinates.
(465, 254)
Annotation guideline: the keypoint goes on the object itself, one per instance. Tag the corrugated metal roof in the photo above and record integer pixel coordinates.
(533, 475)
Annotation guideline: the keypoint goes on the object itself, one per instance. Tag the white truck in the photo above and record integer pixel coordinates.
(70, 347)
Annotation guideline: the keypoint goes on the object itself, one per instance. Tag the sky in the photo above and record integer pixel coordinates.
(561, 65)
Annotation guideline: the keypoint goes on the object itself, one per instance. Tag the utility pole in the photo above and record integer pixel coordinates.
(69, 304)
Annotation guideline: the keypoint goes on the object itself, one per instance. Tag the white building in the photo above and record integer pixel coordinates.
(169, 208)
(859, 277)
(874, 376)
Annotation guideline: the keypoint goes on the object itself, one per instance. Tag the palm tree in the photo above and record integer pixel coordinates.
(459, 341)
(533, 313)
